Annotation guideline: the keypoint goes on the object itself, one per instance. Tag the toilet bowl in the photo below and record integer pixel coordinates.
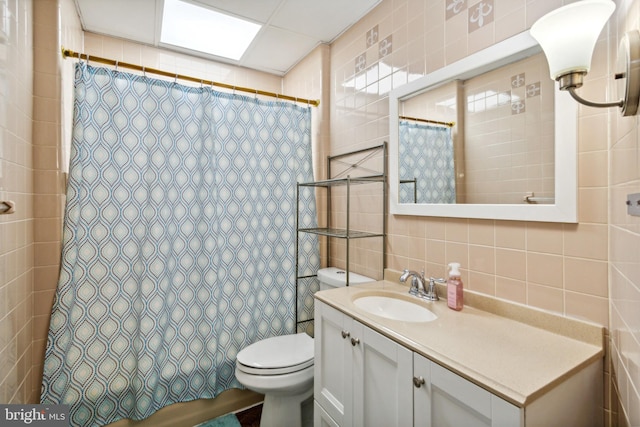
(281, 367)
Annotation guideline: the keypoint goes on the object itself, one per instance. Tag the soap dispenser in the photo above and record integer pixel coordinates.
(454, 287)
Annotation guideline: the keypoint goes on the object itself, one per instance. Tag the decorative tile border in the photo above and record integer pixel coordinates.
(361, 62)
(455, 7)
(533, 89)
(480, 15)
(372, 36)
(517, 81)
(385, 47)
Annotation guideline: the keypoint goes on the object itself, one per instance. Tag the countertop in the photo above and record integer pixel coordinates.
(514, 351)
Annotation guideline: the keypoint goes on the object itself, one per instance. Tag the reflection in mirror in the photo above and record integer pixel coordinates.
(496, 147)
(426, 165)
(487, 137)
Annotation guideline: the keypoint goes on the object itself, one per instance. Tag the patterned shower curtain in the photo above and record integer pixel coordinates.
(426, 166)
(178, 242)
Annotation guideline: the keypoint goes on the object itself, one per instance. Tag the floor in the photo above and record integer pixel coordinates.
(250, 417)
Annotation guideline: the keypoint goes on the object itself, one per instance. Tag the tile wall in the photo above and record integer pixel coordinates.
(624, 242)
(538, 264)
(55, 24)
(563, 268)
(16, 184)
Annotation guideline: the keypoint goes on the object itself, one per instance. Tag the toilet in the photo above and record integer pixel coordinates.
(281, 367)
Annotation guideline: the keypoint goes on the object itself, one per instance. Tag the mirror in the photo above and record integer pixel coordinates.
(463, 145)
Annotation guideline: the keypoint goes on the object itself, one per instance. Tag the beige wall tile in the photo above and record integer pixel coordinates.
(546, 298)
(457, 252)
(586, 241)
(545, 238)
(17, 182)
(482, 259)
(511, 290)
(457, 230)
(511, 264)
(510, 234)
(545, 269)
(586, 276)
(435, 228)
(592, 169)
(593, 205)
(480, 282)
(587, 307)
(481, 232)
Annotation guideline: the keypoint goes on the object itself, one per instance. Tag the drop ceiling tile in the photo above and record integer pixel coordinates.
(260, 11)
(324, 19)
(134, 20)
(278, 50)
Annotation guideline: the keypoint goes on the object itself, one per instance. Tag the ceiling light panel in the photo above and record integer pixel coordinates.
(202, 29)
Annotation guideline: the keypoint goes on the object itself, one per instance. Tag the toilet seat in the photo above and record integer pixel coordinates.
(277, 355)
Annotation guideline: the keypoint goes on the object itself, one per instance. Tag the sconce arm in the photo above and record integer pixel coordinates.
(572, 92)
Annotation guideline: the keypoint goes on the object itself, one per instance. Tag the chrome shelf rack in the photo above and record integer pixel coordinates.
(347, 233)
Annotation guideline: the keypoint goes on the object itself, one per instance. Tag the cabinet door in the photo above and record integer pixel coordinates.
(446, 399)
(382, 387)
(321, 418)
(332, 364)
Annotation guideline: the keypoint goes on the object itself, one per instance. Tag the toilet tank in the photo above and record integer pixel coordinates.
(332, 277)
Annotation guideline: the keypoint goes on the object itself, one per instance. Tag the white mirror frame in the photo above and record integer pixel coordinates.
(565, 142)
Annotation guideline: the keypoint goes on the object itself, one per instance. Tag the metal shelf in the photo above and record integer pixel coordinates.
(340, 233)
(344, 181)
(346, 233)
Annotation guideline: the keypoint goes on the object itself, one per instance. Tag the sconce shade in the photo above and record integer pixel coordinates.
(568, 35)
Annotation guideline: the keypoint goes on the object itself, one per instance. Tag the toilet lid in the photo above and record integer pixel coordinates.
(285, 353)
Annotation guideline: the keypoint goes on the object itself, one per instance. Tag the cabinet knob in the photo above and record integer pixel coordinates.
(345, 334)
(418, 381)
(355, 341)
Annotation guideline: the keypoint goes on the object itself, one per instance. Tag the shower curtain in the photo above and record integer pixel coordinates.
(178, 245)
(426, 156)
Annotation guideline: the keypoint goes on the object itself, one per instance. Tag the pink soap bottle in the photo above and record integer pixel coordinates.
(454, 287)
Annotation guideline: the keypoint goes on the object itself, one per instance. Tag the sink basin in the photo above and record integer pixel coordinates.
(395, 308)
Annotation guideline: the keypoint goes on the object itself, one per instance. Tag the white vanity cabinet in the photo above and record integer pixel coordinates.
(442, 398)
(361, 377)
(364, 379)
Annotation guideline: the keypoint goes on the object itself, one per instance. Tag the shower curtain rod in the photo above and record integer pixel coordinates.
(70, 53)
(434, 122)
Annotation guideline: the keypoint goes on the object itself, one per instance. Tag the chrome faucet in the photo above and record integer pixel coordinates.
(417, 285)
(432, 292)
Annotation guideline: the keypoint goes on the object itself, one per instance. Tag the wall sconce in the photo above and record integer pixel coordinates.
(568, 36)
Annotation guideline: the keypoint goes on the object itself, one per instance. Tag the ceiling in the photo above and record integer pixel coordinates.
(291, 28)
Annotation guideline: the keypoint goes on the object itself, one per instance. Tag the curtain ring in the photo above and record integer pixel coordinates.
(176, 79)
(256, 96)
(144, 72)
(87, 59)
(116, 65)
